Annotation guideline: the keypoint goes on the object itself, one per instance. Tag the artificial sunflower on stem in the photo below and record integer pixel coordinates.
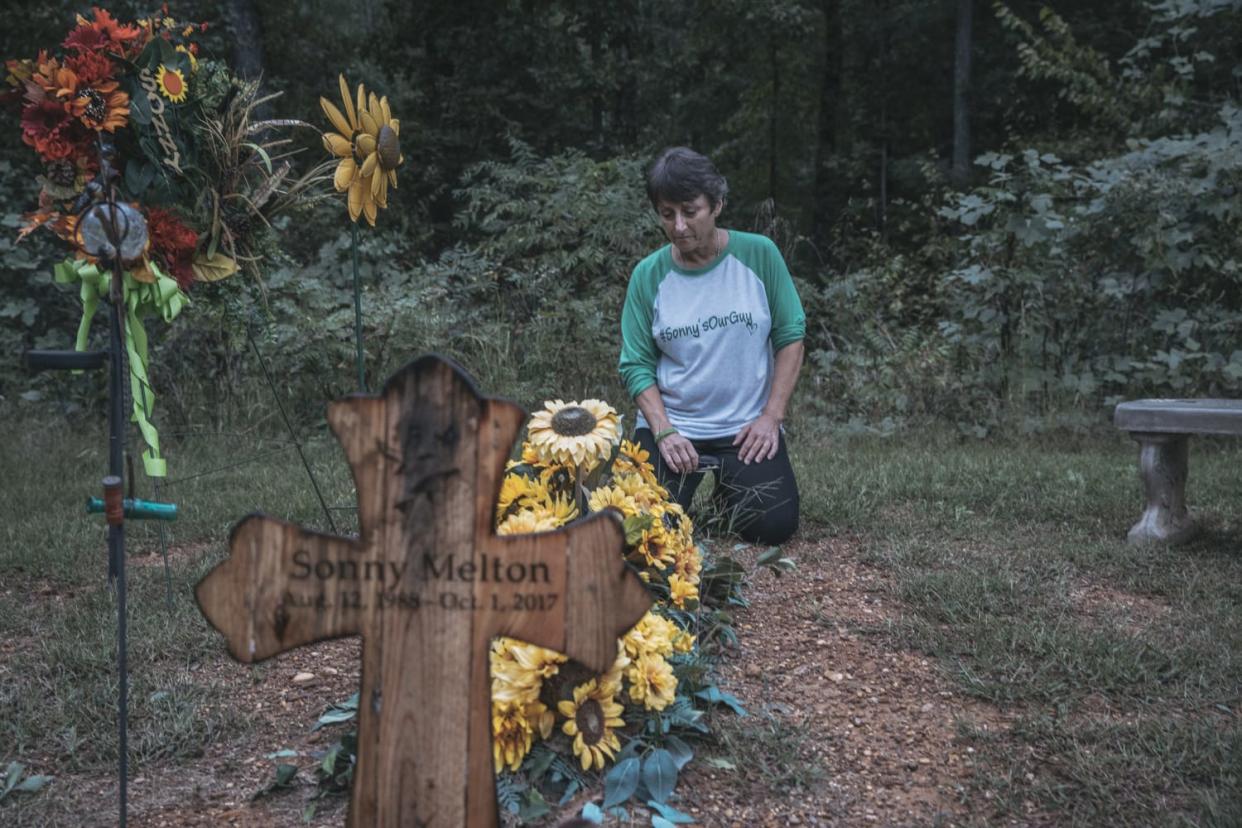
(367, 149)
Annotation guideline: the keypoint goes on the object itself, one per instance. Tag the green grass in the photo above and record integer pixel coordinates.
(58, 613)
(1118, 715)
(1132, 713)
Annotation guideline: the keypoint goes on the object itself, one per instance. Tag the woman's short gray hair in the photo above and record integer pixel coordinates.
(680, 174)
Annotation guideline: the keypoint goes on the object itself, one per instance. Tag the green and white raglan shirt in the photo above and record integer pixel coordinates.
(706, 337)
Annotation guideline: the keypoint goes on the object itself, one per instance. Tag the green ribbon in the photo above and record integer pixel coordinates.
(141, 299)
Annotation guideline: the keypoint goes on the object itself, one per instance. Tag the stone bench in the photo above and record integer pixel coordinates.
(1162, 429)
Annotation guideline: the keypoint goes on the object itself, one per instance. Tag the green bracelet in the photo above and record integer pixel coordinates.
(668, 432)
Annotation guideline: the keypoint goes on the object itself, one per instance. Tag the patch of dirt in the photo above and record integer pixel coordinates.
(879, 725)
(844, 730)
(150, 554)
(217, 788)
(1128, 611)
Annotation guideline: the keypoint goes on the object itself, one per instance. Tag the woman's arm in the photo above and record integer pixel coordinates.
(677, 451)
(760, 439)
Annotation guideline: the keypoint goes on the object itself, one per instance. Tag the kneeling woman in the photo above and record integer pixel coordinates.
(711, 348)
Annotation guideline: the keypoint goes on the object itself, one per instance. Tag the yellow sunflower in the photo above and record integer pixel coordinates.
(514, 725)
(193, 60)
(516, 490)
(681, 591)
(593, 717)
(642, 492)
(559, 509)
(652, 682)
(632, 457)
(580, 434)
(171, 83)
(655, 549)
(525, 522)
(368, 142)
(689, 564)
(605, 497)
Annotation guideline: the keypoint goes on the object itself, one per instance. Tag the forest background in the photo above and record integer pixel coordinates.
(999, 215)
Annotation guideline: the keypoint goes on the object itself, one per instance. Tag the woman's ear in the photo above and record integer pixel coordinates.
(716, 210)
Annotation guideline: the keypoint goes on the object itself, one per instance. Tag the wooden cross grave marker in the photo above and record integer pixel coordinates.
(428, 585)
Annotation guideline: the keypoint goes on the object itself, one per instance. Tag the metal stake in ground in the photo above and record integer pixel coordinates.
(428, 585)
(113, 233)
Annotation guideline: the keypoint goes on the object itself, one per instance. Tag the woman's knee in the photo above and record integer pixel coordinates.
(772, 524)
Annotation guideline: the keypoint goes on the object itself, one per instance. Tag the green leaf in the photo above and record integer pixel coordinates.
(213, 268)
(592, 813)
(660, 822)
(534, 807)
(714, 695)
(772, 560)
(670, 813)
(634, 526)
(621, 782)
(33, 783)
(660, 774)
(285, 774)
(12, 774)
(287, 753)
(329, 760)
(721, 763)
(679, 750)
(267, 159)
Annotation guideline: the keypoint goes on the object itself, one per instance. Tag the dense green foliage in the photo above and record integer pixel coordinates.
(1093, 253)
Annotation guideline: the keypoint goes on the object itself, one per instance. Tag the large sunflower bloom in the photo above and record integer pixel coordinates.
(581, 434)
(593, 717)
(368, 143)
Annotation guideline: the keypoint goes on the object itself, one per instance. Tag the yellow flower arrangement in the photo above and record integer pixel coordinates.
(541, 491)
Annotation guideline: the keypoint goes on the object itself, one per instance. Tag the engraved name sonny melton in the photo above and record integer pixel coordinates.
(486, 569)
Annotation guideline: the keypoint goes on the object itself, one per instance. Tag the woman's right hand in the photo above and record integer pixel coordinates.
(678, 454)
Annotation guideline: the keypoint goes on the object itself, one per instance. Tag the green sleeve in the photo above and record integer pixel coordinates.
(639, 354)
(788, 318)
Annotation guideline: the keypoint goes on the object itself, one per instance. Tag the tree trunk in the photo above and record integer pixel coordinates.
(597, 95)
(824, 204)
(961, 93)
(247, 32)
(773, 108)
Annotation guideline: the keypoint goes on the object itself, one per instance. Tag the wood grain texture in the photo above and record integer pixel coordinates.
(428, 585)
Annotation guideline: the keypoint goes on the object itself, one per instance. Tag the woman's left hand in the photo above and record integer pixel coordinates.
(760, 439)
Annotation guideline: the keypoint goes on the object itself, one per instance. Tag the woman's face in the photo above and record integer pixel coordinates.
(689, 225)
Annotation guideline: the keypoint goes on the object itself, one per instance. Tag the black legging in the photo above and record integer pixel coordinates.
(761, 499)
